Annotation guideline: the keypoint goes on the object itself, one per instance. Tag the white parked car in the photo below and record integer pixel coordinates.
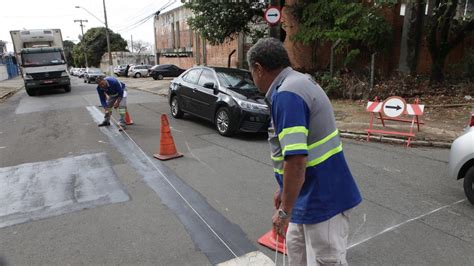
(461, 160)
(139, 71)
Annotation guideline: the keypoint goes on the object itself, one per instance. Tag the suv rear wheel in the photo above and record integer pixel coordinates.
(469, 185)
(137, 75)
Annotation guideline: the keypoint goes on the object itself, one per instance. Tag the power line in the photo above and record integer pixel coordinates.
(145, 19)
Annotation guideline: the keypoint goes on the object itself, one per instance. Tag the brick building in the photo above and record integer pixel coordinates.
(176, 43)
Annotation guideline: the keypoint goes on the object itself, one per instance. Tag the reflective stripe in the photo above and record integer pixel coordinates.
(279, 158)
(321, 149)
(325, 139)
(278, 171)
(293, 138)
(292, 130)
(277, 161)
(324, 157)
(295, 147)
(318, 152)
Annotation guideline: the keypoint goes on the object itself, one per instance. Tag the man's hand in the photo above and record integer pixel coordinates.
(116, 103)
(280, 225)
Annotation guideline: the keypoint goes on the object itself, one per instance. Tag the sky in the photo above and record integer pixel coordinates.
(54, 14)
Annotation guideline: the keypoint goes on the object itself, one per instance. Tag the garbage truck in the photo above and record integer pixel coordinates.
(41, 58)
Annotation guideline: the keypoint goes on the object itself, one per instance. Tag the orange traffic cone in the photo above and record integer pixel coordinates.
(269, 240)
(128, 119)
(167, 147)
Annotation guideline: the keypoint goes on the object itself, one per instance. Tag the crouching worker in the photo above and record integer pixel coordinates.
(112, 94)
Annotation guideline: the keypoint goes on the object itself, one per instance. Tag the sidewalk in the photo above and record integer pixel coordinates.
(442, 124)
(9, 87)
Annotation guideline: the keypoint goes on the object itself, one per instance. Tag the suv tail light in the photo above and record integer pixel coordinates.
(472, 120)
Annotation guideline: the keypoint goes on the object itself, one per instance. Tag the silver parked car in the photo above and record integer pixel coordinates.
(461, 160)
(139, 71)
(91, 74)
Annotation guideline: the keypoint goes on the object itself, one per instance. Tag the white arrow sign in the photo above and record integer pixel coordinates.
(394, 106)
(272, 15)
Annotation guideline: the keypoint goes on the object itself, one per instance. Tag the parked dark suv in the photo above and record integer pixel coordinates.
(161, 71)
(225, 96)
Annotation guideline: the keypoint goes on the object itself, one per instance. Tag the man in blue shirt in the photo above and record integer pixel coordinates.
(112, 94)
(316, 186)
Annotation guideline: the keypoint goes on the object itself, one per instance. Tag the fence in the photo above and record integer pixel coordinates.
(8, 63)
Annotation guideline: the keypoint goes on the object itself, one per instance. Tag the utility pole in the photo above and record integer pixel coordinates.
(107, 34)
(131, 43)
(83, 43)
(275, 29)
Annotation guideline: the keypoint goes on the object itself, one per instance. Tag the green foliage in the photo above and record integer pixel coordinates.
(68, 48)
(356, 25)
(331, 85)
(95, 42)
(219, 21)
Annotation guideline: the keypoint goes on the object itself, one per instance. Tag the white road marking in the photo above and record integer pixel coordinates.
(403, 223)
(252, 258)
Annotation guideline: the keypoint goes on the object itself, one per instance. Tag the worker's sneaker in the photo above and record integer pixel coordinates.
(104, 124)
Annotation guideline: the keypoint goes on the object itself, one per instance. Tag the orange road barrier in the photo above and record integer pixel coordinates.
(167, 147)
(390, 110)
(269, 240)
(128, 119)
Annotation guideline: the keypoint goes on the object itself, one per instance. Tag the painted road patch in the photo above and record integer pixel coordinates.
(34, 191)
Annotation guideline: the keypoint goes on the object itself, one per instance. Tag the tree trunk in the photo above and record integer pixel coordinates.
(437, 73)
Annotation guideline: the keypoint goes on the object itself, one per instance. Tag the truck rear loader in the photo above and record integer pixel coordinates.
(41, 58)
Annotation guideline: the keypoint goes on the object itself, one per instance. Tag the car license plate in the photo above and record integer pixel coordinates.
(48, 81)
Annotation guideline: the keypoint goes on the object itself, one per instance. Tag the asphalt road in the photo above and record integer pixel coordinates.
(73, 193)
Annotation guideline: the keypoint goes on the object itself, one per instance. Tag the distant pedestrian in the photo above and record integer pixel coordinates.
(112, 94)
(317, 189)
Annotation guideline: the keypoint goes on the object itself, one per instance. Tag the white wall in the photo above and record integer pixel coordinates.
(3, 72)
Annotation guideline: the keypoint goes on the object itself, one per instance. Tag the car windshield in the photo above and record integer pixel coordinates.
(95, 71)
(42, 59)
(237, 80)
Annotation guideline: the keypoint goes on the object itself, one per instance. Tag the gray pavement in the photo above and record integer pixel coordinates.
(412, 212)
(433, 136)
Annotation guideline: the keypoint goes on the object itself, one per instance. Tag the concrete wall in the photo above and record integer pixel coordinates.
(3, 72)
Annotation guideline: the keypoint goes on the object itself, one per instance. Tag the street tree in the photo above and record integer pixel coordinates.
(68, 48)
(447, 28)
(355, 26)
(95, 42)
(139, 46)
(218, 21)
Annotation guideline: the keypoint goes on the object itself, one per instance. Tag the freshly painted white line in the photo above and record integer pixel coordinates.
(252, 258)
(405, 222)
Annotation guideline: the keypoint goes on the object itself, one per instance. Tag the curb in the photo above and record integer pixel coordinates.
(150, 91)
(360, 135)
(10, 93)
(383, 139)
